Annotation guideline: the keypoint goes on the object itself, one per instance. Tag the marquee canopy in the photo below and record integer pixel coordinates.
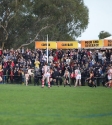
(108, 38)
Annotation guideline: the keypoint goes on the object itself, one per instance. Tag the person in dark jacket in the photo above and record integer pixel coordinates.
(60, 75)
(37, 77)
(91, 80)
(55, 76)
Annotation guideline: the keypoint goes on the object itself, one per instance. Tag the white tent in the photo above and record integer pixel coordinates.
(108, 38)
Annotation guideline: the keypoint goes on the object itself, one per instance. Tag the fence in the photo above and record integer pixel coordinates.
(37, 80)
(98, 81)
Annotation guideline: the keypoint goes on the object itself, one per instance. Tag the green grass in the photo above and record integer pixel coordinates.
(33, 105)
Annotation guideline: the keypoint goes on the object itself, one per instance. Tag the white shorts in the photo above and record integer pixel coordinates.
(47, 75)
(109, 77)
(0, 79)
(78, 77)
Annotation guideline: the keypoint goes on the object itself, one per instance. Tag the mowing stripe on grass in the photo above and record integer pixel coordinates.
(56, 115)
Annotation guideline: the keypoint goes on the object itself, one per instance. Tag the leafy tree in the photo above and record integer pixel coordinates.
(24, 21)
(103, 34)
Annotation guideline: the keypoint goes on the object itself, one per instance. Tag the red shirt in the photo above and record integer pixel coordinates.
(55, 58)
(72, 75)
(12, 64)
(1, 73)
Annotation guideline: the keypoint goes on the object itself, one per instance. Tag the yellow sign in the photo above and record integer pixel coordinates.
(91, 43)
(43, 45)
(67, 44)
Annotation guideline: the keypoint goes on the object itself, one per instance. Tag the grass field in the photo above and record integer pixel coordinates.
(33, 105)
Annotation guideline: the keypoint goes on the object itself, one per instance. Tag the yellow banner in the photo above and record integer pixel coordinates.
(43, 45)
(91, 43)
(67, 45)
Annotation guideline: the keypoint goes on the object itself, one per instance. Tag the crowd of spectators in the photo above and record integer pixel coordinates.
(14, 63)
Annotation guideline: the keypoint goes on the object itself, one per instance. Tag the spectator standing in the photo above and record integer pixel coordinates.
(37, 63)
(50, 58)
(107, 55)
(111, 57)
(100, 56)
(103, 58)
(68, 60)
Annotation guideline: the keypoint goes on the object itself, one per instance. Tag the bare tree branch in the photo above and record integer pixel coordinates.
(5, 31)
(35, 37)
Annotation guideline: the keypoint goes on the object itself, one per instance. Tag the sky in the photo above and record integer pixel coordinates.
(100, 19)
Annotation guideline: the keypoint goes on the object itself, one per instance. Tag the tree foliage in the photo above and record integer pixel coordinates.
(103, 34)
(24, 21)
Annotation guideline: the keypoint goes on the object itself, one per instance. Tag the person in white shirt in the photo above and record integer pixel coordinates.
(44, 57)
(93, 61)
(78, 77)
(103, 58)
(30, 71)
(68, 60)
(50, 58)
(100, 54)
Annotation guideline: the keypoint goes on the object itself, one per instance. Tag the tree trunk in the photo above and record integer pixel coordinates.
(3, 43)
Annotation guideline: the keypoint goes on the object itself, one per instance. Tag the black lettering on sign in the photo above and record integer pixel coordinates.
(45, 44)
(67, 44)
(97, 45)
(70, 44)
(88, 42)
(109, 42)
(63, 44)
(96, 41)
(91, 45)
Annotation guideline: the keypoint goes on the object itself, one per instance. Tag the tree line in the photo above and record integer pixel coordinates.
(24, 21)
